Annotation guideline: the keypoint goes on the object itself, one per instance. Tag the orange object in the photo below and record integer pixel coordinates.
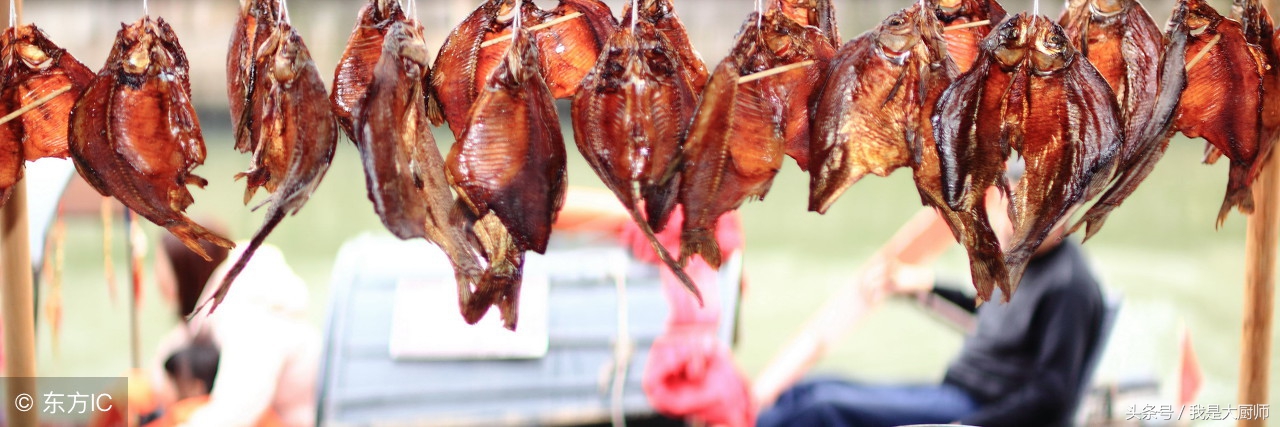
(180, 412)
(1190, 377)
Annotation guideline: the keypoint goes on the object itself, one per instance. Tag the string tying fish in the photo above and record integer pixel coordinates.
(9, 117)
(635, 4)
(552, 22)
(13, 13)
(145, 10)
(1201, 54)
(967, 25)
(774, 71)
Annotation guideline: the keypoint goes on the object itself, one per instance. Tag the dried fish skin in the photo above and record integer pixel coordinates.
(662, 16)
(1219, 60)
(135, 136)
(355, 67)
(1032, 92)
(256, 21)
(404, 171)
(511, 159)
(298, 136)
(569, 49)
(962, 44)
(1259, 30)
(34, 68)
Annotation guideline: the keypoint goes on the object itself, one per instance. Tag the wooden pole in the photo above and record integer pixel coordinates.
(1259, 292)
(19, 308)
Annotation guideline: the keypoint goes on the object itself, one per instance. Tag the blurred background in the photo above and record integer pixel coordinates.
(1160, 250)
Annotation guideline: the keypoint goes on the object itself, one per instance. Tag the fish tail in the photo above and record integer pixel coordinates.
(665, 256)
(499, 285)
(1016, 263)
(274, 217)
(986, 265)
(699, 241)
(191, 234)
(1238, 192)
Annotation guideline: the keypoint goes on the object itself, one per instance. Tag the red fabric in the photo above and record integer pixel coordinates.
(1190, 375)
(690, 373)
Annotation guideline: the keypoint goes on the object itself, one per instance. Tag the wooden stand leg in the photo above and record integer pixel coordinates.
(19, 308)
(1259, 292)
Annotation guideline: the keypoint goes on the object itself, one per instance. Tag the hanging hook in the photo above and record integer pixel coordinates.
(635, 4)
(145, 9)
(284, 11)
(13, 13)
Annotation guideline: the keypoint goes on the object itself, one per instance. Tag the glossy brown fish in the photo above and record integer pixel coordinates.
(256, 21)
(1220, 61)
(569, 50)
(820, 14)
(297, 137)
(738, 138)
(33, 69)
(404, 171)
(1259, 30)
(135, 136)
(661, 15)
(1029, 91)
(1123, 43)
(962, 43)
(509, 167)
(810, 14)
(355, 68)
(629, 119)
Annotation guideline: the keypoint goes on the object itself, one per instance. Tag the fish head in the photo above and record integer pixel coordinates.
(291, 56)
(386, 9)
(898, 34)
(405, 41)
(1196, 16)
(142, 48)
(31, 48)
(1108, 8)
(1008, 43)
(1051, 50)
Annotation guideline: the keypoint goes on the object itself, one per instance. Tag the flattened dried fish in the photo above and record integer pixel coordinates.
(629, 119)
(509, 169)
(33, 69)
(1259, 30)
(1030, 91)
(661, 15)
(962, 44)
(1124, 44)
(820, 14)
(298, 136)
(255, 23)
(355, 68)
(404, 171)
(569, 48)
(737, 141)
(1219, 61)
(135, 136)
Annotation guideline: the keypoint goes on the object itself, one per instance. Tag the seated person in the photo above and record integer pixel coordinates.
(1021, 366)
(192, 370)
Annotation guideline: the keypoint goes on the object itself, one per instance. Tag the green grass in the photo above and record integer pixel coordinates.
(1160, 250)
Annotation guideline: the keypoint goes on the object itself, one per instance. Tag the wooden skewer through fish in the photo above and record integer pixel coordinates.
(967, 25)
(1200, 55)
(9, 117)
(504, 37)
(773, 71)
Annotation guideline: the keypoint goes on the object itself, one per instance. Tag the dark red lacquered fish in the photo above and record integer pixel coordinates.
(1123, 43)
(297, 136)
(404, 171)
(1259, 30)
(737, 141)
(813, 13)
(1220, 61)
(256, 21)
(1029, 91)
(629, 119)
(509, 169)
(135, 136)
(661, 14)
(963, 40)
(570, 48)
(355, 68)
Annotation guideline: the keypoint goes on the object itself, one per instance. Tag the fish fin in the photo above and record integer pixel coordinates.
(700, 242)
(274, 217)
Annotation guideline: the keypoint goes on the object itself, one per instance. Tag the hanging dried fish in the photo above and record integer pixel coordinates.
(661, 15)
(862, 125)
(1123, 43)
(1029, 91)
(629, 119)
(510, 171)
(297, 136)
(474, 49)
(1259, 30)
(256, 21)
(739, 133)
(965, 15)
(404, 171)
(1219, 61)
(34, 69)
(355, 68)
(820, 14)
(135, 136)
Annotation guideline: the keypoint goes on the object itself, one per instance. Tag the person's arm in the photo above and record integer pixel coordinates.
(1048, 393)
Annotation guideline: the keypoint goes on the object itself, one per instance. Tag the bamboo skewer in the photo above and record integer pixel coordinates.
(967, 25)
(1205, 51)
(552, 22)
(9, 117)
(774, 71)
